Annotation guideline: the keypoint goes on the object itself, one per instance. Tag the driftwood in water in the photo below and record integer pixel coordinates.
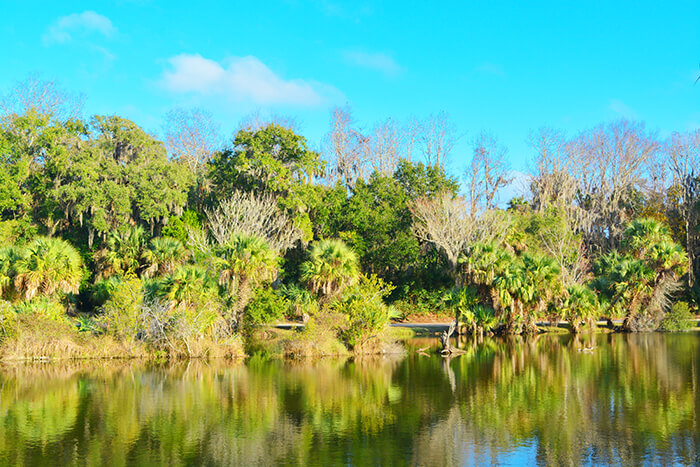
(447, 348)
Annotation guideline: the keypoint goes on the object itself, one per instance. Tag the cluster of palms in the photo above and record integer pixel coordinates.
(639, 280)
(168, 271)
(514, 288)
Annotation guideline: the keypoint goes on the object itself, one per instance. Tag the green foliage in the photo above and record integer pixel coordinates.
(43, 306)
(46, 266)
(641, 280)
(163, 256)
(271, 159)
(331, 267)
(246, 262)
(301, 303)
(189, 285)
(122, 312)
(423, 302)
(679, 318)
(580, 305)
(122, 253)
(363, 305)
(178, 226)
(267, 306)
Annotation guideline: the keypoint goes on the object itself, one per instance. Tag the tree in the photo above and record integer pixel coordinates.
(331, 267)
(188, 285)
(121, 254)
(192, 136)
(271, 160)
(487, 173)
(245, 262)
(437, 136)
(580, 305)
(42, 97)
(483, 264)
(346, 149)
(47, 266)
(642, 280)
(164, 256)
(613, 158)
(445, 221)
(252, 214)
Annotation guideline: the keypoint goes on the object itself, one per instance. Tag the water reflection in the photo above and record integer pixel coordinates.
(633, 399)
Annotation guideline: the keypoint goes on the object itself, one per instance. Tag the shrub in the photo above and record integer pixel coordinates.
(423, 302)
(266, 307)
(43, 306)
(122, 312)
(678, 319)
(365, 311)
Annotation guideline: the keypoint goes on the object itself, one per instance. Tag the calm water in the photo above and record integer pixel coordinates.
(633, 400)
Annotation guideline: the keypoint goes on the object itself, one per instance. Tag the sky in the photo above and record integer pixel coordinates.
(504, 67)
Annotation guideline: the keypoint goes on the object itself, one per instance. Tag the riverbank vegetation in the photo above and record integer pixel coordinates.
(184, 245)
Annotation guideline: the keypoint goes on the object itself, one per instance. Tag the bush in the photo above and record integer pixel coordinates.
(367, 315)
(43, 306)
(678, 319)
(423, 302)
(122, 312)
(266, 307)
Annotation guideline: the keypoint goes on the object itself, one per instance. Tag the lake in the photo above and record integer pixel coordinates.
(631, 400)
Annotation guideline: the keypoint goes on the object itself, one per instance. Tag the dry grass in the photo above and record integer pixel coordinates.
(34, 337)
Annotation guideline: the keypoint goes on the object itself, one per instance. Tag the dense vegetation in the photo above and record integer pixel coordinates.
(182, 247)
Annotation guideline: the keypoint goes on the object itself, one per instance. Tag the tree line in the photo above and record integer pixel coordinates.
(194, 239)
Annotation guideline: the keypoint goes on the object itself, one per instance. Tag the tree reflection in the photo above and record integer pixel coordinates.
(630, 400)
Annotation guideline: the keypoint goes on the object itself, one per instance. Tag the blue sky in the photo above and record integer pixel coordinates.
(505, 67)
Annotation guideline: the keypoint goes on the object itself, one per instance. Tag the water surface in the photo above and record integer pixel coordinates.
(632, 400)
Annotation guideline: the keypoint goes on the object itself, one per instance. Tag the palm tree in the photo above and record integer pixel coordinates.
(633, 285)
(331, 267)
(463, 300)
(47, 266)
(121, 253)
(189, 285)
(8, 257)
(641, 234)
(580, 305)
(484, 263)
(245, 262)
(163, 257)
(514, 290)
(544, 275)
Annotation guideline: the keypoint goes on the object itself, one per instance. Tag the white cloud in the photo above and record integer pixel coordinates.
(374, 61)
(241, 79)
(63, 29)
(621, 109)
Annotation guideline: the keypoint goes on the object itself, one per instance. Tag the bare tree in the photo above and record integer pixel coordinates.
(411, 132)
(487, 173)
(192, 136)
(613, 158)
(552, 181)
(386, 144)
(247, 213)
(445, 221)
(44, 97)
(346, 149)
(257, 121)
(683, 154)
(436, 137)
